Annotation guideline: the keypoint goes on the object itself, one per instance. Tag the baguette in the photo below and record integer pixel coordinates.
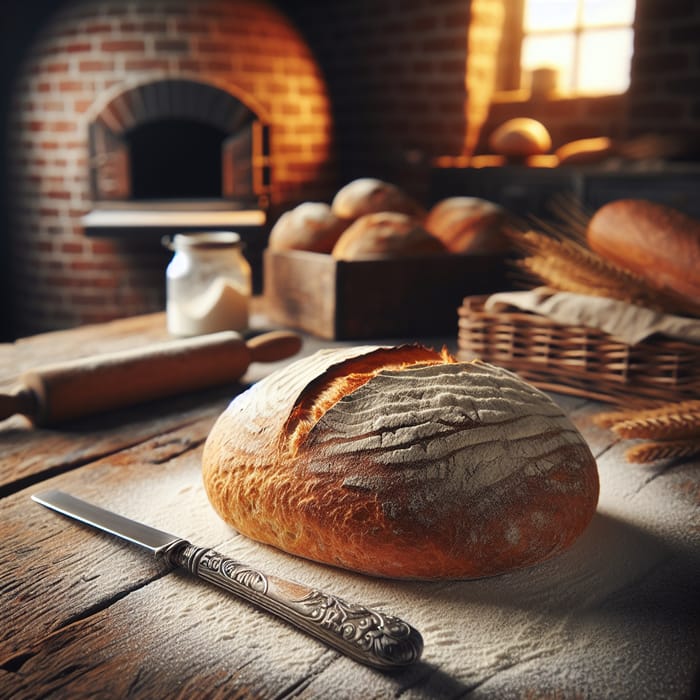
(401, 463)
(659, 244)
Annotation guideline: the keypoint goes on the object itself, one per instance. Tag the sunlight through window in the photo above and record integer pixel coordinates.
(588, 43)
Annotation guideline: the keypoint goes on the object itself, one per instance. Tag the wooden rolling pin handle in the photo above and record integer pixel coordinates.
(23, 401)
(273, 346)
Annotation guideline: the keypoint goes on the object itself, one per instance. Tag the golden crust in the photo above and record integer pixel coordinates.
(386, 234)
(520, 137)
(368, 195)
(425, 468)
(654, 241)
(309, 226)
(469, 225)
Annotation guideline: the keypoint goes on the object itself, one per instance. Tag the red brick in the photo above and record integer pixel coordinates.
(172, 45)
(61, 126)
(58, 67)
(136, 64)
(97, 28)
(71, 86)
(95, 66)
(57, 194)
(78, 47)
(122, 45)
(147, 27)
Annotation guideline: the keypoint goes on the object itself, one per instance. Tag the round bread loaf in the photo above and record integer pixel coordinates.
(386, 234)
(469, 225)
(368, 195)
(309, 226)
(520, 137)
(402, 463)
(658, 243)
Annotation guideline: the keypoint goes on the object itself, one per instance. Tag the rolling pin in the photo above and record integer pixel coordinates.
(60, 392)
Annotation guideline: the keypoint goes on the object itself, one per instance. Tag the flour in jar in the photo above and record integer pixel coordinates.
(223, 306)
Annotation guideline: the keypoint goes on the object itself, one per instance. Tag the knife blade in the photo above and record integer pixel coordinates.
(364, 634)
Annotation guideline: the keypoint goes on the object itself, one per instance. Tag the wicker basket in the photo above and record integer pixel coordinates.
(577, 360)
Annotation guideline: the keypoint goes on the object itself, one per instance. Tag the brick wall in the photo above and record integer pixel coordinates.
(91, 51)
(408, 80)
(665, 92)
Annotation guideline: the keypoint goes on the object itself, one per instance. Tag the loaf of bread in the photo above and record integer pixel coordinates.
(585, 151)
(520, 137)
(309, 226)
(469, 225)
(386, 234)
(368, 195)
(658, 243)
(402, 463)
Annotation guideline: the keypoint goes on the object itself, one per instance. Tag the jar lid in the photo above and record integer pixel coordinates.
(202, 239)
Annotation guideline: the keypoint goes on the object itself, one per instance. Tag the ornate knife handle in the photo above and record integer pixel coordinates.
(365, 635)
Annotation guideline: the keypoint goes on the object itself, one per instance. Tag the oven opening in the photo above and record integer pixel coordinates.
(173, 155)
(175, 159)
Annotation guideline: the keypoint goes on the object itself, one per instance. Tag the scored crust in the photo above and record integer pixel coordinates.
(403, 463)
(385, 234)
(368, 195)
(309, 226)
(469, 225)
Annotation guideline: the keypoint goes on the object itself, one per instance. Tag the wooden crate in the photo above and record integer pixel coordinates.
(379, 298)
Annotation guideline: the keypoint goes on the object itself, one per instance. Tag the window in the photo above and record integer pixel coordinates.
(585, 46)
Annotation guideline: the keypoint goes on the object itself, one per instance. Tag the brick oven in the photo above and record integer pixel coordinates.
(179, 139)
(134, 119)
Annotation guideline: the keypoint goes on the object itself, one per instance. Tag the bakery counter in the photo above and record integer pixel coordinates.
(84, 614)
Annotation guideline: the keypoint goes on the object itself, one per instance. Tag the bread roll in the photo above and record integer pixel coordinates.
(386, 234)
(309, 226)
(658, 243)
(367, 195)
(469, 225)
(585, 151)
(401, 463)
(520, 137)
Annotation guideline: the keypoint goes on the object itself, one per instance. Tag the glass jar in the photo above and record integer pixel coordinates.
(208, 283)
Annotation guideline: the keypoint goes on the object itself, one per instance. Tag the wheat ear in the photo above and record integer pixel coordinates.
(673, 421)
(664, 449)
(569, 266)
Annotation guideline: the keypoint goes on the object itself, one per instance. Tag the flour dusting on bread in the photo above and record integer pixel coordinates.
(401, 462)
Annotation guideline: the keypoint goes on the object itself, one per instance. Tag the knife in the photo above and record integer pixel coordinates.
(366, 635)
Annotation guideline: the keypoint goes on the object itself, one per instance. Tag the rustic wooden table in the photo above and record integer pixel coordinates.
(83, 614)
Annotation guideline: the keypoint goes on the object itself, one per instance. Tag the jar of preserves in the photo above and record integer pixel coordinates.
(208, 283)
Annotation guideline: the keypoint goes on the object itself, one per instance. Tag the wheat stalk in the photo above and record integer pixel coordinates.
(672, 430)
(653, 423)
(577, 261)
(573, 215)
(565, 277)
(662, 449)
(567, 265)
(672, 426)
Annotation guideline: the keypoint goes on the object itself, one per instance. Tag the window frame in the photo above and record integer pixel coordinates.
(509, 71)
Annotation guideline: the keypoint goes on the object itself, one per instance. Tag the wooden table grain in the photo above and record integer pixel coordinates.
(85, 615)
